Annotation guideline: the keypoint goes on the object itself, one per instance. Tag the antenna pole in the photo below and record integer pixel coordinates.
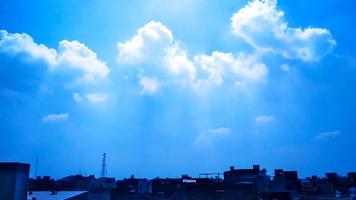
(103, 173)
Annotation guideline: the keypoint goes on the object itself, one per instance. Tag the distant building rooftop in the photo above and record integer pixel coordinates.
(11, 166)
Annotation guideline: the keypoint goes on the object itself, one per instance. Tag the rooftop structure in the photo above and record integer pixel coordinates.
(14, 181)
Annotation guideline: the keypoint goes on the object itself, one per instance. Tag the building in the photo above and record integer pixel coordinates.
(351, 176)
(104, 183)
(240, 175)
(134, 185)
(285, 181)
(14, 181)
(217, 190)
(255, 176)
(353, 193)
(165, 187)
(42, 183)
(77, 182)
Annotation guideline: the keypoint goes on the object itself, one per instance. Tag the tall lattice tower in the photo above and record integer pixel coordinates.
(103, 173)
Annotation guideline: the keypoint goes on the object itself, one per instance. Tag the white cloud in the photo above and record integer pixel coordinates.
(179, 65)
(71, 55)
(55, 117)
(326, 135)
(207, 138)
(96, 97)
(263, 26)
(149, 85)
(220, 66)
(264, 119)
(22, 43)
(158, 55)
(152, 35)
(155, 46)
(75, 55)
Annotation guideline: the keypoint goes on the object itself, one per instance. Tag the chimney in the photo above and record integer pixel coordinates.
(256, 167)
(232, 168)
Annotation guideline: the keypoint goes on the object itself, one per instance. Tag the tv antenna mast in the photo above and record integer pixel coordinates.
(103, 173)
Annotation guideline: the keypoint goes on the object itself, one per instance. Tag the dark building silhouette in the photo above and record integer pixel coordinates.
(254, 176)
(351, 176)
(285, 181)
(42, 183)
(165, 187)
(78, 182)
(238, 175)
(245, 184)
(14, 181)
(218, 191)
(134, 185)
(277, 196)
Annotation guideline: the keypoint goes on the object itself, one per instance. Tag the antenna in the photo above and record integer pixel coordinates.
(103, 173)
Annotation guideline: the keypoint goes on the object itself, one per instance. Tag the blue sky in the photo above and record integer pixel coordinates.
(187, 86)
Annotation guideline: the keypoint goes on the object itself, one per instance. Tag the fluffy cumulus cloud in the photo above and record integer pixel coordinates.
(155, 47)
(265, 119)
(220, 66)
(161, 61)
(152, 36)
(71, 55)
(149, 85)
(55, 117)
(263, 26)
(158, 55)
(77, 56)
(207, 138)
(21, 43)
(327, 135)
